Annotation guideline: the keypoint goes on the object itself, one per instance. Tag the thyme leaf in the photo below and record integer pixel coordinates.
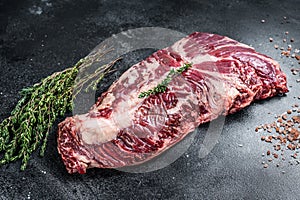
(162, 87)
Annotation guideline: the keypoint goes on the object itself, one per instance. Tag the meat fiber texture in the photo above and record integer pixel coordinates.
(124, 130)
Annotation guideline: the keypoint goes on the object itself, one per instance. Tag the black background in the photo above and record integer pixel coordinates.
(33, 46)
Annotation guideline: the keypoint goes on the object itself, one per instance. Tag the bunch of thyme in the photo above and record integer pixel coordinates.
(31, 120)
(161, 87)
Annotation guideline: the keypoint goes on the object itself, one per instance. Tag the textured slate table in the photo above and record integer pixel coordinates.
(38, 38)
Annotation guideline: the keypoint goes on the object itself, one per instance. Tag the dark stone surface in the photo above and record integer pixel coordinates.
(33, 46)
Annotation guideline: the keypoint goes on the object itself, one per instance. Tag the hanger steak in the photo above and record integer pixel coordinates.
(123, 129)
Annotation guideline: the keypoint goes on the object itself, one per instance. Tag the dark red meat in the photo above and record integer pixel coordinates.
(122, 129)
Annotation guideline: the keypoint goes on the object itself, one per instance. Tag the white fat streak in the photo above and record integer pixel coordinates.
(228, 45)
(131, 79)
(179, 47)
(96, 130)
(235, 45)
(202, 58)
(123, 116)
(132, 76)
(107, 100)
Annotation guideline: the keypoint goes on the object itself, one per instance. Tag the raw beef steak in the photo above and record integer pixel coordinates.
(123, 130)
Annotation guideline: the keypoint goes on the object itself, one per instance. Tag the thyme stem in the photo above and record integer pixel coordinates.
(161, 87)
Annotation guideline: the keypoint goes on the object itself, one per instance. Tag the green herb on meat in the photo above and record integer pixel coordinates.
(161, 87)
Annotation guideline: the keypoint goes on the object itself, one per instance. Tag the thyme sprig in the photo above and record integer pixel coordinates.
(161, 87)
(31, 120)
